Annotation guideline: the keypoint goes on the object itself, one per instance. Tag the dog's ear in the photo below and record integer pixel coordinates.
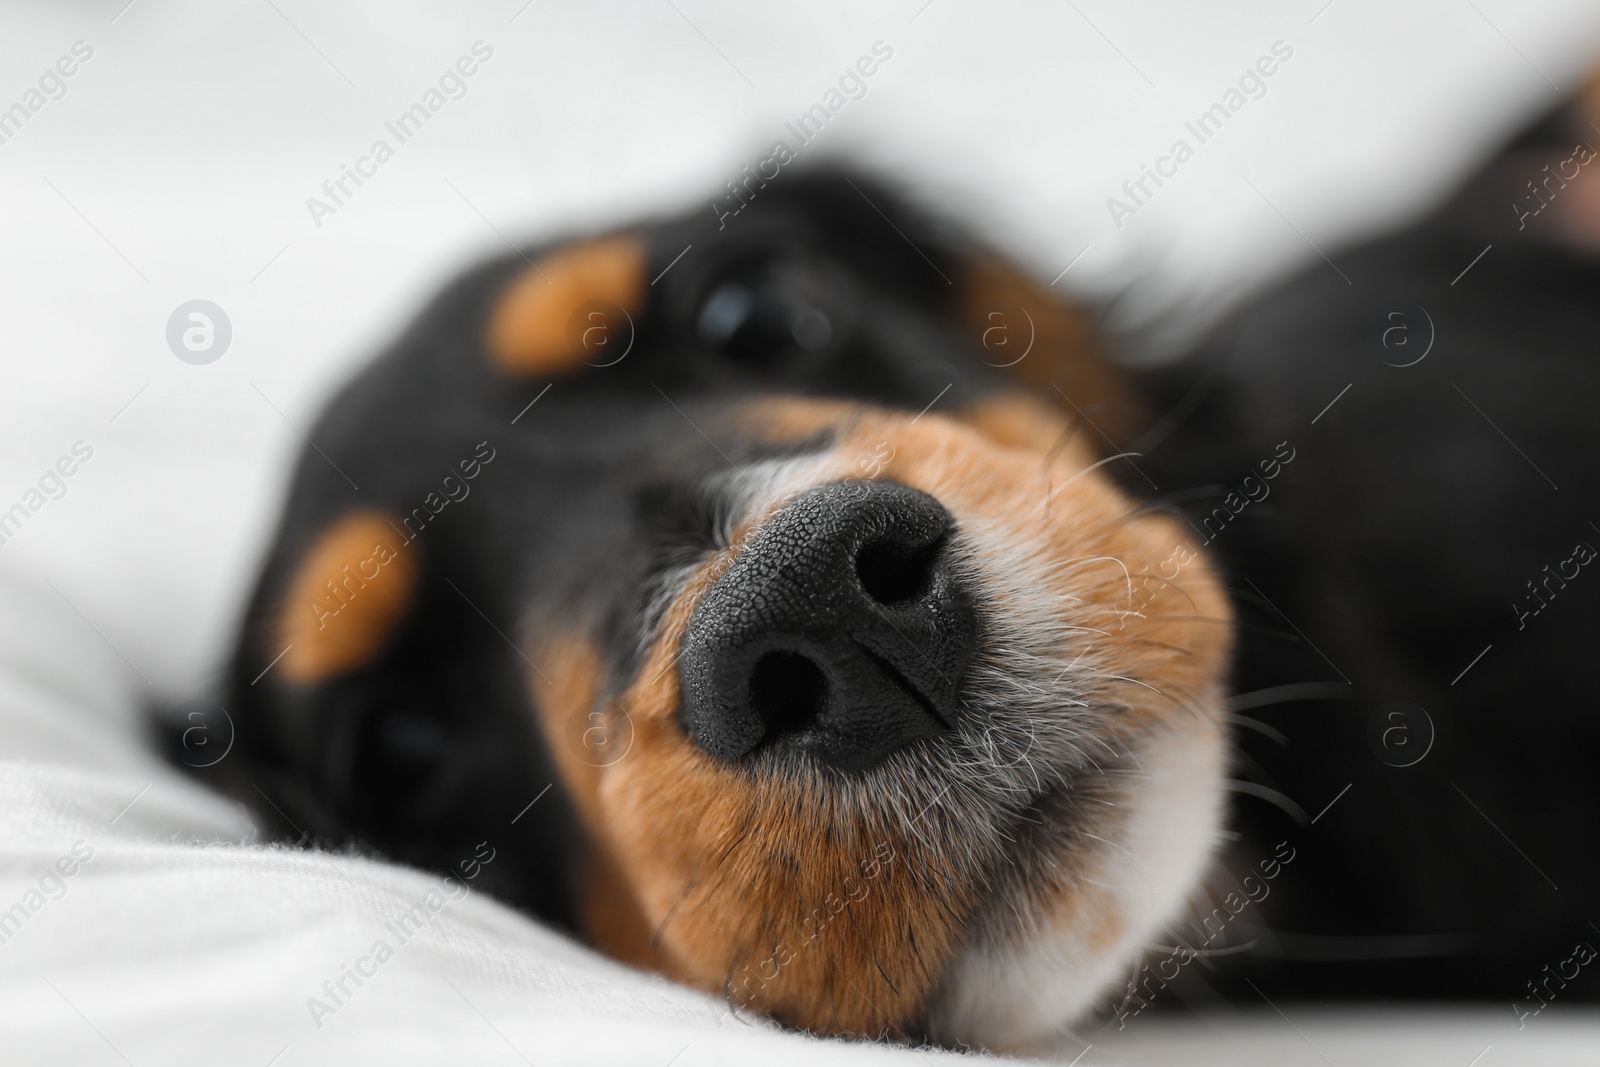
(543, 319)
(1050, 346)
(338, 598)
(378, 698)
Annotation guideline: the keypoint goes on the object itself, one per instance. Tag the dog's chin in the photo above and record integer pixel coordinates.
(1098, 869)
(1093, 840)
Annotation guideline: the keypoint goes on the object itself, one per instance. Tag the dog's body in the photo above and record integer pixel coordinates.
(1416, 578)
(842, 677)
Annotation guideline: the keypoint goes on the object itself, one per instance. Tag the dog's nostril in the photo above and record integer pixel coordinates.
(892, 573)
(787, 691)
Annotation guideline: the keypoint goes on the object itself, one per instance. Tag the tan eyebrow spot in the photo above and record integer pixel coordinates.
(344, 601)
(1064, 349)
(528, 327)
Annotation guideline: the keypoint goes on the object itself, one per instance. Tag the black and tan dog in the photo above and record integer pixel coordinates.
(771, 591)
(732, 578)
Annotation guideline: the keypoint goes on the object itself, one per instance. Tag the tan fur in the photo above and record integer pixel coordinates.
(612, 919)
(1004, 308)
(529, 331)
(344, 601)
(1589, 98)
(1016, 420)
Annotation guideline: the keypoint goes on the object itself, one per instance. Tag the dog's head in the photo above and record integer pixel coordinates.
(869, 701)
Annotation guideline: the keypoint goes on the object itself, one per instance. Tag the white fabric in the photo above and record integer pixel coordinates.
(177, 166)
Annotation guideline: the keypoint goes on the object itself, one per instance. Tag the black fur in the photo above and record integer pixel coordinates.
(1389, 554)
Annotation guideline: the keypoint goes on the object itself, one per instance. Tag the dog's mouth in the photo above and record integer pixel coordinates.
(918, 751)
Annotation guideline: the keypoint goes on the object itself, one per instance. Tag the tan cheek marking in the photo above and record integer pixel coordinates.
(528, 327)
(344, 602)
(1066, 352)
(568, 716)
(761, 889)
(613, 921)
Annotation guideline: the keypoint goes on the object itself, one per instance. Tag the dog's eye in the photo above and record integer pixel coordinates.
(409, 737)
(402, 747)
(767, 316)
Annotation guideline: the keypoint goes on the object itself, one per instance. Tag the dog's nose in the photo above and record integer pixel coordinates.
(842, 629)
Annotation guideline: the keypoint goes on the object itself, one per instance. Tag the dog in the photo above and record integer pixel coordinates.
(804, 607)
(767, 591)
